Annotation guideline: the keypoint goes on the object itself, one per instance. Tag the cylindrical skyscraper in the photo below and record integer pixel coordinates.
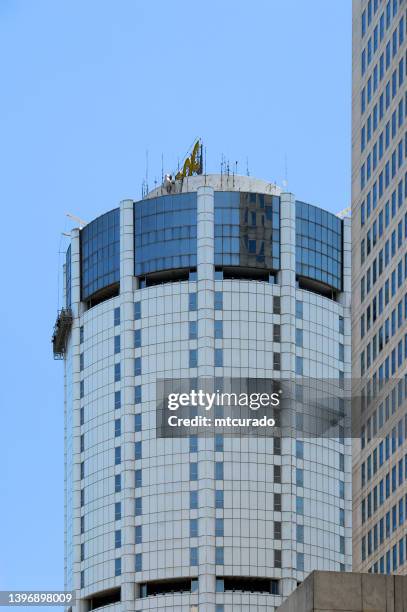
(211, 276)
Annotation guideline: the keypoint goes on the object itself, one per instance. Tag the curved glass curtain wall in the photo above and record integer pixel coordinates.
(247, 235)
(100, 253)
(319, 238)
(165, 230)
(247, 230)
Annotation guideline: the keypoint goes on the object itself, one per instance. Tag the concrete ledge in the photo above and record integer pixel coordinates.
(348, 592)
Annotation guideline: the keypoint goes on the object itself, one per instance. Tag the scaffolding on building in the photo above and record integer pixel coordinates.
(61, 331)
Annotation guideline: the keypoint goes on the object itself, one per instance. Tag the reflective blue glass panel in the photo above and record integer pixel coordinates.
(247, 230)
(165, 233)
(100, 253)
(319, 237)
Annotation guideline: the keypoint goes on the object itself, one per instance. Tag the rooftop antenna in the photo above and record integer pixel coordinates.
(162, 167)
(78, 220)
(146, 179)
(247, 167)
(285, 181)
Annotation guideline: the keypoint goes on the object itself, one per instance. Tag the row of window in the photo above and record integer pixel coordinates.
(394, 163)
(373, 273)
(394, 558)
(376, 232)
(381, 492)
(378, 34)
(384, 528)
(370, 204)
(383, 335)
(381, 415)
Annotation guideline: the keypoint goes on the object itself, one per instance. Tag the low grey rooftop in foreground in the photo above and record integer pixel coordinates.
(348, 592)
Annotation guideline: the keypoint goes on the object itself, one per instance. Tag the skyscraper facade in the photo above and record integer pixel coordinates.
(209, 276)
(379, 301)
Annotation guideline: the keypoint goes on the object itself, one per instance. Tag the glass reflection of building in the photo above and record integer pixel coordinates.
(220, 277)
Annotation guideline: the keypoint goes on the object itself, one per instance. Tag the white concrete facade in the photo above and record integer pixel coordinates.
(92, 434)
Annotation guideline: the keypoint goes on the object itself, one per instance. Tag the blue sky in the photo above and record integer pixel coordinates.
(86, 89)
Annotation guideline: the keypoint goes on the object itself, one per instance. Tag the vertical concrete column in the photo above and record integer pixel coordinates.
(287, 281)
(345, 300)
(127, 398)
(76, 308)
(206, 270)
(206, 345)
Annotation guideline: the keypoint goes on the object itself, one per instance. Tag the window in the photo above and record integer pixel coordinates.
(138, 479)
(276, 361)
(117, 567)
(137, 422)
(341, 352)
(193, 301)
(193, 330)
(82, 469)
(137, 311)
(116, 372)
(118, 538)
(219, 556)
(300, 533)
(193, 471)
(219, 501)
(117, 455)
(218, 470)
(218, 329)
(193, 358)
(81, 361)
(138, 504)
(138, 565)
(300, 562)
(277, 530)
(137, 366)
(219, 443)
(193, 500)
(219, 527)
(193, 444)
(298, 309)
(276, 304)
(137, 338)
(117, 428)
(117, 344)
(299, 365)
(138, 450)
(138, 534)
(117, 483)
(218, 300)
(277, 502)
(81, 334)
(276, 333)
(117, 399)
(299, 475)
(193, 528)
(299, 337)
(277, 474)
(116, 314)
(193, 556)
(299, 449)
(299, 505)
(218, 358)
(137, 394)
(82, 497)
(117, 511)
(82, 524)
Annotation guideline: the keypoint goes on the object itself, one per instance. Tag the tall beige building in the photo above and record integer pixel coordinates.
(379, 257)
